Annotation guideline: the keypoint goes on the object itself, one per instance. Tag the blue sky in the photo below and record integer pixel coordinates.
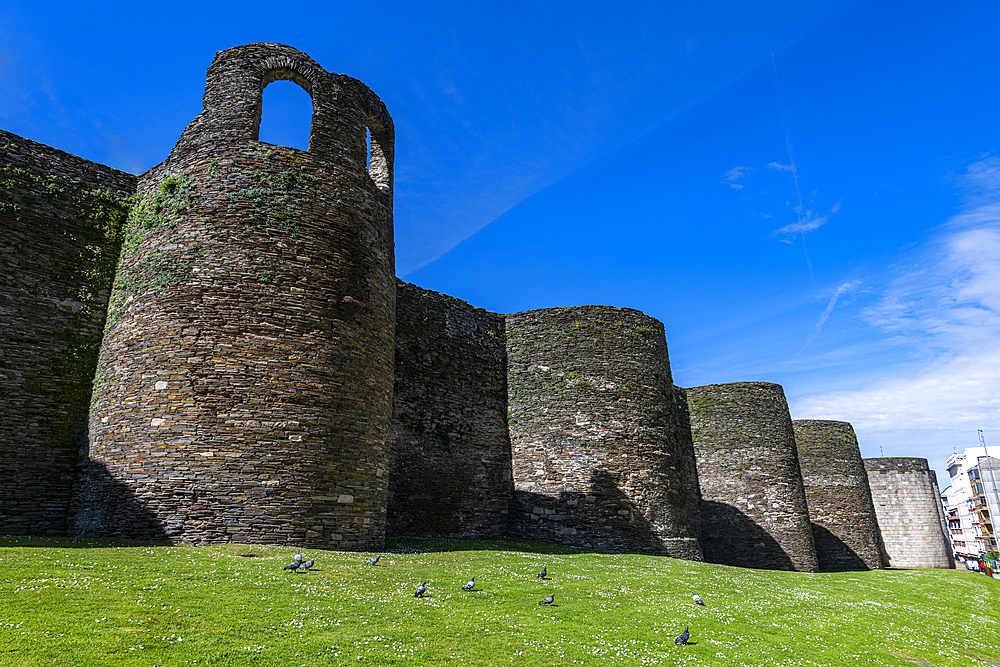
(804, 193)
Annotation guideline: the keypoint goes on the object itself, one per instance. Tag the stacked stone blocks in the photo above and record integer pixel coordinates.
(845, 527)
(450, 465)
(754, 511)
(60, 230)
(601, 446)
(245, 380)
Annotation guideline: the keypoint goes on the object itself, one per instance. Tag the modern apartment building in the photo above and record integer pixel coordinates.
(972, 501)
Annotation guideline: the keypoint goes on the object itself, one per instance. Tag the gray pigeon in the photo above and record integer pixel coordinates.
(696, 598)
(549, 600)
(545, 571)
(372, 561)
(309, 563)
(294, 565)
(469, 586)
(684, 636)
(420, 590)
(298, 556)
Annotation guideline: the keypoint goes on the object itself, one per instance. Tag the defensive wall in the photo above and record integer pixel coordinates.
(753, 510)
(257, 381)
(910, 515)
(840, 501)
(244, 386)
(602, 454)
(60, 230)
(450, 465)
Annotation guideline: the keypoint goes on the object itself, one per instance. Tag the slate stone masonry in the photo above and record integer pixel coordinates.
(910, 515)
(60, 222)
(840, 500)
(244, 386)
(450, 465)
(602, 453)
(754, 511)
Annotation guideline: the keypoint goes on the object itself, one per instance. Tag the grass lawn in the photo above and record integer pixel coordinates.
(94, 602)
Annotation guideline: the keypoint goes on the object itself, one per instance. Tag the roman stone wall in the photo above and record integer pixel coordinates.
(450, 466)
(840, 500)
(910, 516)
(60, 223)
(244, 385)
(602, 452)
(753, 511)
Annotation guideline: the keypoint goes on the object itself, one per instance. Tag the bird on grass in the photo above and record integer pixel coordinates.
(545, 571)
(548, 600)
(420, 590)
(372, 561)
(683, 637)
(298, 556)
(294, 565)
(697, 598)
(309, 563)
(469, 586)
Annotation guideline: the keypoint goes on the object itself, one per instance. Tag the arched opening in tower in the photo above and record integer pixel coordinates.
(286, 115)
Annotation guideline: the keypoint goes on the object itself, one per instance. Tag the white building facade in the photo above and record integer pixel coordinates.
(972, 501)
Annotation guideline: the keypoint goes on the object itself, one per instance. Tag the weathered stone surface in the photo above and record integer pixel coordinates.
(910, 516)
(244, 386)
(753, 511)
(450, 465)
(60, 220)
(602, 452)
(840, 500)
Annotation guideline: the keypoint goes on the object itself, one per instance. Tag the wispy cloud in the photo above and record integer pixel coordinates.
(735, 174)
(808, 220)
(944, 305)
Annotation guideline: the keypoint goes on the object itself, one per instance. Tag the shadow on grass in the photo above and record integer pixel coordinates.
(28, 541)
(427, 544)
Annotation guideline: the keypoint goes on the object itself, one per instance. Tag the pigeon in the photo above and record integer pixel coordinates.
(469, 586)
(294, 565)
(309, 563)
(298, 556)
(372, 561)
(545, 571)
(420, 590)
(684, 636)
(696, 598)
(549, 600)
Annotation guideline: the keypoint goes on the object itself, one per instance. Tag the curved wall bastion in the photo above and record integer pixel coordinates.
(753, 511)
(601, 446)
(910, 515)
(243, 391)
(840, 501)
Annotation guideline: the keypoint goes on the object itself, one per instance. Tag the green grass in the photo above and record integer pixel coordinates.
(89, 602)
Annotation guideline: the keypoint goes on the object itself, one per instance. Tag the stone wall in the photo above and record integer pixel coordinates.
(60, 223)
(602, 451)
(910, 516)
(840, 500)
(753, 511)
(244, 386)
(450, 467)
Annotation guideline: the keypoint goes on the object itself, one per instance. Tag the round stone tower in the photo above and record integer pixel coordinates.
(754, 511)
(244, 386)
(910, 515)
(840, 500)
(601, 447)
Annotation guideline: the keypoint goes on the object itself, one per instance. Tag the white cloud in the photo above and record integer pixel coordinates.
(735, 174)
(944, 305)
(808, 220)
(782, 167)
